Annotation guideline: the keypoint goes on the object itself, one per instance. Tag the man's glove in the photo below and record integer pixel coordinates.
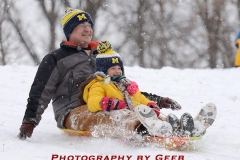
(26, 130)
(109, 104)
(154, 107)
(166, 102)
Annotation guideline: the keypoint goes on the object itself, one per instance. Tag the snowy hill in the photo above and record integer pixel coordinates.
(192, 88)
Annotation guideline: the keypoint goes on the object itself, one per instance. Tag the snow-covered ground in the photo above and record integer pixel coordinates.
(192, 88)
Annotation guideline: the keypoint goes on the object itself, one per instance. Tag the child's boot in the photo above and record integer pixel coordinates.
(174, 121)
(186, 125)
(149, 119)
(204, 119)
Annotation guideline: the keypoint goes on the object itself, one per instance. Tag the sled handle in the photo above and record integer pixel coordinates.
(161, 116)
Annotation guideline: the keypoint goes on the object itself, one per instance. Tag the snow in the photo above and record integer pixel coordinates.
(192, 88)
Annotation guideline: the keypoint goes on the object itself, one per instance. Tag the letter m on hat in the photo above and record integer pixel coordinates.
(80, 17)
(115, 60)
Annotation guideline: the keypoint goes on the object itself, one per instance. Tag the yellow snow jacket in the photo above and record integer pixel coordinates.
(97, 89)
(237, 58)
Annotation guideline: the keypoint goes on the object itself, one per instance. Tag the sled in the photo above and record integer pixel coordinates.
(169, 143)
(175, 143)
(72, 132)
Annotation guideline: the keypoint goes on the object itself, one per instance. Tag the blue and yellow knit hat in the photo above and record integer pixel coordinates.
(72, 18)
(107, 57)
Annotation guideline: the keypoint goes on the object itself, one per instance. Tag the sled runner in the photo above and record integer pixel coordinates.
(72, 132)
(174, 143)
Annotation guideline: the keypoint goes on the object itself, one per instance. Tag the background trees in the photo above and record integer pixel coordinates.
(156, 33)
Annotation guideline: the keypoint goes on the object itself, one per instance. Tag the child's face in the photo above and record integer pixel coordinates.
(114, 71)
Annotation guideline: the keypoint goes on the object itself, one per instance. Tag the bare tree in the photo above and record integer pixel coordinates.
(139, 36)
(51, 16)
(17, 24)
(238, 6)
(11, 29)
(217, 30)
(3, 49)
(164, 26)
